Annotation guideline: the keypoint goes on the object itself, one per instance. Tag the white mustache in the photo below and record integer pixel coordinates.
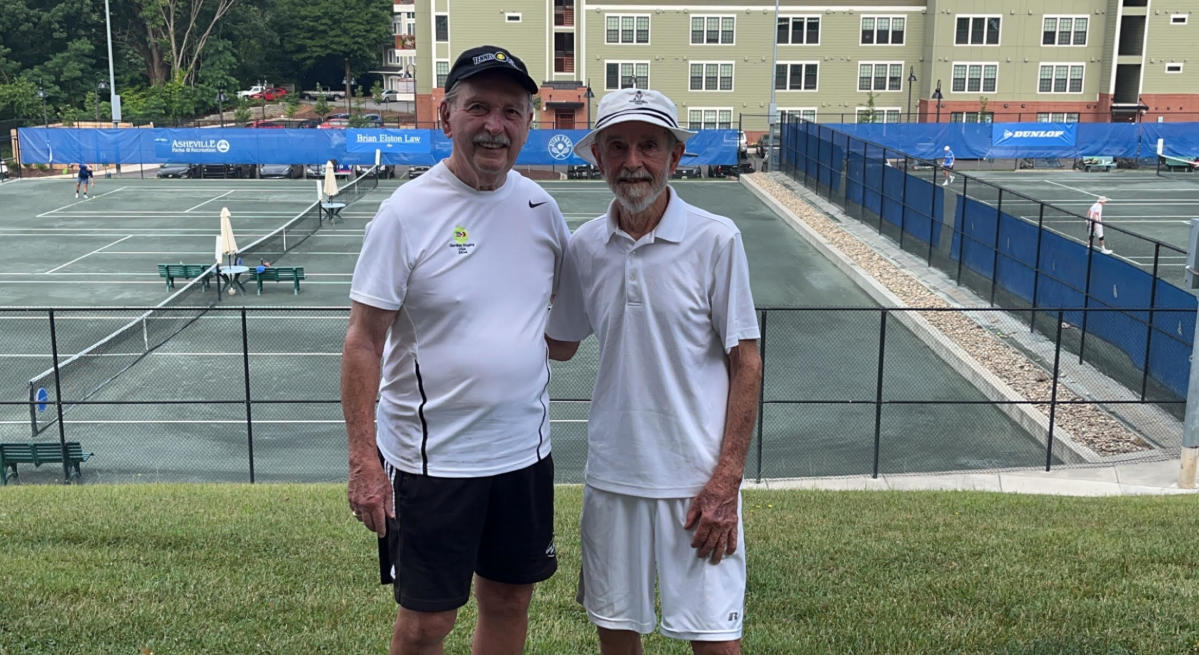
(639, 177)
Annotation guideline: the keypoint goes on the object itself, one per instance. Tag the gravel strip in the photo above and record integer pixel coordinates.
(1089, 424)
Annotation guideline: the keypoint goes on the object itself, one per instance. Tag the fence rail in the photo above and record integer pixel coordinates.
(250, 394)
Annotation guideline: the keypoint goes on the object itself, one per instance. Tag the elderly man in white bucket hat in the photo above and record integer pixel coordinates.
(1095, 219)
(664, 287)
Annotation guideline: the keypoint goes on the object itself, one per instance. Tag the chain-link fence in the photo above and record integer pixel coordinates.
(251, 394)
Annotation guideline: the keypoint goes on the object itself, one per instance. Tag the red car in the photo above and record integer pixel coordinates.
(273, 93)
(267, 125)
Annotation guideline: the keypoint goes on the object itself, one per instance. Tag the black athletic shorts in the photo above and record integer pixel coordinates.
(447, 529)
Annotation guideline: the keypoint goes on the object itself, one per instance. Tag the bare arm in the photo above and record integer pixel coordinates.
(713, 513)
(561, 350)
(369, 491)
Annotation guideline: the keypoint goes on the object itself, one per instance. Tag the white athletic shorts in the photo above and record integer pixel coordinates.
(1097, 229)
(628, 543)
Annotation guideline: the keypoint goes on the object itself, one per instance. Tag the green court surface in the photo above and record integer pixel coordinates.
(820, 378)
(1139, 201)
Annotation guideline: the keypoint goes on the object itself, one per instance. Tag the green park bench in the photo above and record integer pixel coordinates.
(1089, 164)
(184, 271)
(280, 274)
(1177, 163)
(37, 454)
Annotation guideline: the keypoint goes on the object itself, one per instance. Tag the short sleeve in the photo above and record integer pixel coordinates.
(733, 314)
(568, 318)
(382, 272)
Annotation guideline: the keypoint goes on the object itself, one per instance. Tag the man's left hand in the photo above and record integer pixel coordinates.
(713, 514)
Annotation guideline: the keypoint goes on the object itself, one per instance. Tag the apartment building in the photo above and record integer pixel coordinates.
(855, 60)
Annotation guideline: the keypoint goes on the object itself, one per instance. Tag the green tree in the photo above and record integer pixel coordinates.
(377, 91)
(242, 113)
(321, 33)
(293, 105)
(174, 34)
(322, 108)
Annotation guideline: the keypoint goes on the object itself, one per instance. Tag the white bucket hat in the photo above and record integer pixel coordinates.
(643, 105)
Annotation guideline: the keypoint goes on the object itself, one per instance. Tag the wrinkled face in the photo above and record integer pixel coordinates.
(488, 117)
(637, 159)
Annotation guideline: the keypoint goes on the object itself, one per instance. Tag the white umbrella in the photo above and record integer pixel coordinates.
(330, 180)
(228, 244)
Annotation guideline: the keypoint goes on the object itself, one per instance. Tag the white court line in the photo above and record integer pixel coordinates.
(1085, 193)
(77, 202)
(130, 236)
(209, 200)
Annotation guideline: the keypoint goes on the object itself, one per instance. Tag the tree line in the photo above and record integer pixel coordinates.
(172, 56)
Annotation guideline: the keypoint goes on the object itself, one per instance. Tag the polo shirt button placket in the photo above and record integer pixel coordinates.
(633, 278)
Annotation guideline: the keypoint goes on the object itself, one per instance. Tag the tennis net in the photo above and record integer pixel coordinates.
(83, 374)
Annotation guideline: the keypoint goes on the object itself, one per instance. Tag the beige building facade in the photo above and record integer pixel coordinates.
(861, 60)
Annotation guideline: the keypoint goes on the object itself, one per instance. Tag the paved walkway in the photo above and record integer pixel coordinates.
(1139, 478)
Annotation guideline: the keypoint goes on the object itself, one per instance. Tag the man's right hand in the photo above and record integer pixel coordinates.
(369, 493)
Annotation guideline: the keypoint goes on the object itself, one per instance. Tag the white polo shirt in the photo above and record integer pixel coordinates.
(666, 310)
(464, 390)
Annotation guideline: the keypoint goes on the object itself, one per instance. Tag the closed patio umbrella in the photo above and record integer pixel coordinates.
(330, 180)
(228, 242)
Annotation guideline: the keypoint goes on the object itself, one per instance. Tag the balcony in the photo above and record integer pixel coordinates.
(564, 16)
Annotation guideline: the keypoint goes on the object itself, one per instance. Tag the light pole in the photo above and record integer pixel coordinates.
(349, 84)
(100, 89)
(411, 68)
(937, 96)
(588, 95)
(911, 83)
(41, 93)
(220, 103)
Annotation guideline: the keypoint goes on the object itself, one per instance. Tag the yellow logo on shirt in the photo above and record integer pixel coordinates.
(461, 235)
(461, 241)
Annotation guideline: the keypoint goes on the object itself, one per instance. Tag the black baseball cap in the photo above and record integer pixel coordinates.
(489, 57)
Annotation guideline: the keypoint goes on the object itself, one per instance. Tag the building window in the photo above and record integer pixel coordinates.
(1174, 68)
(974, 78)
(977, 30)
(626, 29)
(972, 117)
(397, 25)
(711, 76)
(798, 113)
(796, 76)
(441, 28)
(443, 69)
(1057, 117)
(717, 118)
(799, 30)
(877, 115)
(626, 74)
(512, 17)
(880, 76)
(1060, 78)
(1178, 19)
(712, 30)
(882, 30)
(1064, 30)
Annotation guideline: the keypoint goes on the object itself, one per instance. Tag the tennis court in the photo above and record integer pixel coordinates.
(168, 400)
(1154, 206)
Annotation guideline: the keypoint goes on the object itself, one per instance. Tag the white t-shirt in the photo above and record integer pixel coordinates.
(464, 390)
(666, 310)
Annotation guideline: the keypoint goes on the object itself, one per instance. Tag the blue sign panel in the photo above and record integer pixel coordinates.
(370, 140)
(1034, 135)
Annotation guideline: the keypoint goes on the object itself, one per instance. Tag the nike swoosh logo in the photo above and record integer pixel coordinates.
(536, 204)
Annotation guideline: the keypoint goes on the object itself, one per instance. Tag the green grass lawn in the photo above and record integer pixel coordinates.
(274, 569)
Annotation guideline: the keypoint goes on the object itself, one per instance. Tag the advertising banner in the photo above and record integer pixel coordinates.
(1034, 135)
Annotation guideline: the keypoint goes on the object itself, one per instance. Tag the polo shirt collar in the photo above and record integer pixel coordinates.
(672, 227)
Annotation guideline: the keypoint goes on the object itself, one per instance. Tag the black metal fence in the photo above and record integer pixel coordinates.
(251, 394)
(1015, 251)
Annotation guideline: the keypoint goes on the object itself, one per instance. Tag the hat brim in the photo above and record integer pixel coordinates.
(521, 78)
(583, 147)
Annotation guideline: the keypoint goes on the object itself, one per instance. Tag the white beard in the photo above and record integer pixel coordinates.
(636, 200)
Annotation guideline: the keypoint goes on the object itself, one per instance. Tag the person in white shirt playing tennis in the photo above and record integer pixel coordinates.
(1095, 221)
(664, 287)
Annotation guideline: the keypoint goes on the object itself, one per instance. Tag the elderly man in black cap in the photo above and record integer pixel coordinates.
(452, 468)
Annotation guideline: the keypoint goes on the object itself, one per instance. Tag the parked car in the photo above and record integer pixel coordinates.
(341, 115)
(389, 95)
(257, 88)
(177, 170)
(270, 94)
(334, 124)
(374, 119)
(417, 171)
(271, 125)
(582, 172)
(318, 170)
(282, 171)
(309, 123)
(687, 173)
